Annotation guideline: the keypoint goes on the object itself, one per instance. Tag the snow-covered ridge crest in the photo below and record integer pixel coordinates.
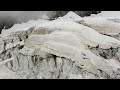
(23, 26)
(81, 30)
(71, 16)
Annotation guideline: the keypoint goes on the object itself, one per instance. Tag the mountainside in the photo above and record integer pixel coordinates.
(70, 47)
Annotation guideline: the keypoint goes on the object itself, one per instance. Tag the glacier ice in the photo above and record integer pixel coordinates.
(69, 47)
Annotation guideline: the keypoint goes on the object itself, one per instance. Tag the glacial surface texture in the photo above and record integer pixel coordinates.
(70, 47)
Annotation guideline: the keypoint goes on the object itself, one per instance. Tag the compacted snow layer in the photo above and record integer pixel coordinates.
(69, 47)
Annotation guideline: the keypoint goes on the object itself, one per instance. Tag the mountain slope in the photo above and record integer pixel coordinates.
(70, 47)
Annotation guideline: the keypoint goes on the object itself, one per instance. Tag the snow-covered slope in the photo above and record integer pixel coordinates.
(71, 16)
(109, 14)
(23, 26)
(69, 47)
(102, 25)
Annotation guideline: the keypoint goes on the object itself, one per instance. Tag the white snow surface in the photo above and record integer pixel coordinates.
(23, 26)
(108, 14)
(102, 25)
(6, 73)
(71, 16)
(94, 37)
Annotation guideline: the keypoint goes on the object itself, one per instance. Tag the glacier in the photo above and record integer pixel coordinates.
(69, 47)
